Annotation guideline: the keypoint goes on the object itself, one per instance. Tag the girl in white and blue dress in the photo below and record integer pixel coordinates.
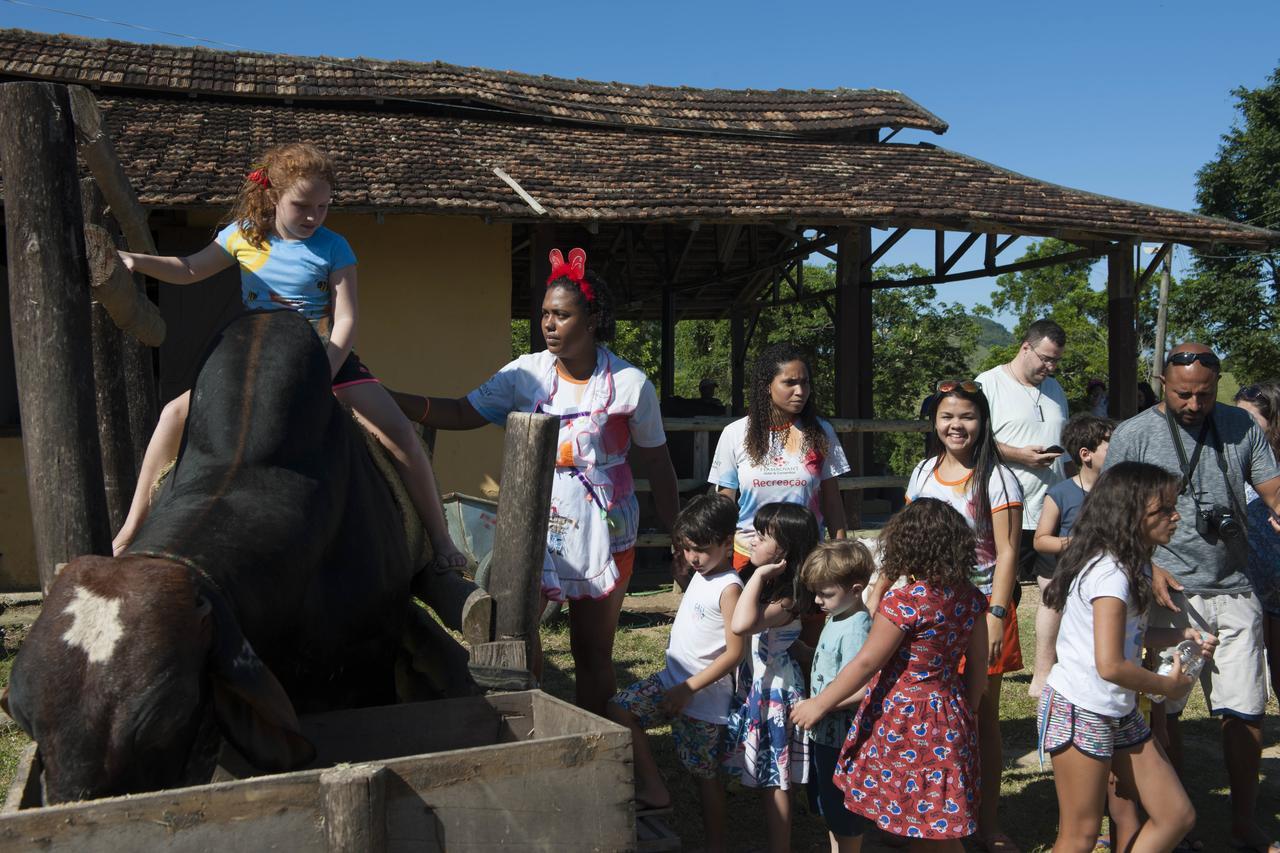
(762, 750)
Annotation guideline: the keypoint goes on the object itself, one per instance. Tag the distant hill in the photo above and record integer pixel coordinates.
(991, 333)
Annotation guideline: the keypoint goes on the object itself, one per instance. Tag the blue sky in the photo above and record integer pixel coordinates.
(1126, 99)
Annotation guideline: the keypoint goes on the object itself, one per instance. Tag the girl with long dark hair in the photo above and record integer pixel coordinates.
(1088, 720)
(781, 452)
(1262, 401)
(761, 750)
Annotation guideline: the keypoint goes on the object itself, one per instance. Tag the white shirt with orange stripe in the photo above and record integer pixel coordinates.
(1003, 492)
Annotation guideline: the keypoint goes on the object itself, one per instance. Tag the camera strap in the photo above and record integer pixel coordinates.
(1189, 467)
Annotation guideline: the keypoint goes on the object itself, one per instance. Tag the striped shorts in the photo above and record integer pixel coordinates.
(1063, 724)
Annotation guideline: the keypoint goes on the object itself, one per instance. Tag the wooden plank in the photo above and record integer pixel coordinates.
(100, 156)
(24, 790)
(701, 455)
(502, 665)
(1161, 254)
(355, 819)
(119, 466)
(48, 278)
(889, 242)
(1020, 266)
(955, 256)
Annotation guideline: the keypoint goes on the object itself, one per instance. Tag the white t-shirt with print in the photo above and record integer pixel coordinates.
(1023, 416)
(786, 474)
(1003, 491)
(1075, 675)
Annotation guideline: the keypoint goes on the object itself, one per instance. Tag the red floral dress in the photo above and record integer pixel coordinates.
(910, 762)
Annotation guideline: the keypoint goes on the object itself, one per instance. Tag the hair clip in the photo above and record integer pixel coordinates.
(259, 177)
(575, 270)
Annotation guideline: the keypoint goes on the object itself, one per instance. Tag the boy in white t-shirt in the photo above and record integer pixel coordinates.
(695, 689)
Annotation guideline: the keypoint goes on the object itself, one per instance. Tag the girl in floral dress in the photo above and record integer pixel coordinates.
(762, 750)
(910, 762)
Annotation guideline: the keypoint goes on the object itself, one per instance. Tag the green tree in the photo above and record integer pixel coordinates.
(1231, 301)
(1063, 293)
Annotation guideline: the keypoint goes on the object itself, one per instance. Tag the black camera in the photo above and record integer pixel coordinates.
(1219, 522)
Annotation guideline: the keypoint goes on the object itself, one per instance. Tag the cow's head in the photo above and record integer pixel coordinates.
(124, 672)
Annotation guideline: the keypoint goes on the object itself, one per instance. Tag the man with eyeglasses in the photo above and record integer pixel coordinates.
(1198, 578)
(1028, 411)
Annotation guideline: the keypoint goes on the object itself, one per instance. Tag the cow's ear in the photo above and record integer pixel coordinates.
(252, 708)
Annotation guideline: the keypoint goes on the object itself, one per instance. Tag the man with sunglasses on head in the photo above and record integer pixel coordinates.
(1198, 578)
(1028, 411)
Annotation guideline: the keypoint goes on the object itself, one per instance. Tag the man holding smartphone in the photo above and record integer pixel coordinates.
(1028, 411)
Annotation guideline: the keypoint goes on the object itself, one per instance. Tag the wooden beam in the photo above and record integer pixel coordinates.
(1161, 254)
(799, 251)
(959, 252)
(668, 362)
(1122, 334)
(726, 249)
(738, 357)
(884, 247)
(520, 536)
(939, 252)
(119, 467)
(1066, 258)
(48, 279)
(800, 238)
(684, 254)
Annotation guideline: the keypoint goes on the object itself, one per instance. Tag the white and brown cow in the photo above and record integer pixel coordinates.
(271, 577)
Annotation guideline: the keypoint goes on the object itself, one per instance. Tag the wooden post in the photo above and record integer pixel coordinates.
(542, 239)
(668, 343)
(48, 278)
(738, 359)
(355, 807)
(1122, 333)
(520, 542)
(119, 467)
(853, 353)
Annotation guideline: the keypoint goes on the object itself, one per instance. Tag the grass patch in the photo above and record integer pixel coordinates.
(1028, 804)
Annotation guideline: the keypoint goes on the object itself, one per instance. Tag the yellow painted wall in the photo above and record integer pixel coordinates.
(435, 308)
(435, 318)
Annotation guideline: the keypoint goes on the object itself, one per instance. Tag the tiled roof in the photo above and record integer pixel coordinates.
(193, 153)
(200, 71)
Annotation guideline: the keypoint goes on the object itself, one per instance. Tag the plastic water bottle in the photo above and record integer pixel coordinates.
(1188, 652)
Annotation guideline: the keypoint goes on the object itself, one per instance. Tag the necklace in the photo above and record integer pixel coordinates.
(1035, 401)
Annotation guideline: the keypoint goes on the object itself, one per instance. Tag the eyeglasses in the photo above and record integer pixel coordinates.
(1182, 359)
(1046, 360)
(946, 386)
(1249, 392)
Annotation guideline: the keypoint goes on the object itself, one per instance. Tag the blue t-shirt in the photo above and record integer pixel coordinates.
(288, 273)
(1069, 497)
(840, 641)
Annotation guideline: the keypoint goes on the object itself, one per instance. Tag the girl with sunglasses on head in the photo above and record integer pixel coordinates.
(969, 475)
(1262, 402)
(608, 413)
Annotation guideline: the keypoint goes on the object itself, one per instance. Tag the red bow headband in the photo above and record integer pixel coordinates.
(575, 270)
(259, 177)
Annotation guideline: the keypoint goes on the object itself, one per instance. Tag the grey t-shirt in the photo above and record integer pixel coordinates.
(1203, 567)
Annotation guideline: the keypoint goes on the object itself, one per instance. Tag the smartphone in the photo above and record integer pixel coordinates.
(1054, 448)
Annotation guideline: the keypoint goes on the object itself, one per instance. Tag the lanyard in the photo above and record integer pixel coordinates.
(1189, 468)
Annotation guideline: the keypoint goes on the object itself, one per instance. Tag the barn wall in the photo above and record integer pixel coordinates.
(435, 307)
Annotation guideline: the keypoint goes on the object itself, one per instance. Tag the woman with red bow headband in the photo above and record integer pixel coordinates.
(608, 413)
(288, 260)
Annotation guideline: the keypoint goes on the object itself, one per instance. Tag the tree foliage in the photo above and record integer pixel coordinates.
(1231, 302)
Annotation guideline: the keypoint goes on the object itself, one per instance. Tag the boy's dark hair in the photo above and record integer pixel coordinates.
(1087, 431)
(706, 520)
(1041, 329)
(930, 541)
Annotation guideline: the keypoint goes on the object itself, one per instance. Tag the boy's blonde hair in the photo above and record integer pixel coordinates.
(844, 562)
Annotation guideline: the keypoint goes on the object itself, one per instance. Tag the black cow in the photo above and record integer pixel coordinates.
(272, 574)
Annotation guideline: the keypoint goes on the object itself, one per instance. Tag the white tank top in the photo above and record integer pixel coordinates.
(697, 639)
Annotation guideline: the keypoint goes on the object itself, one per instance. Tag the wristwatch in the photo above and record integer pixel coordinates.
(998, 611)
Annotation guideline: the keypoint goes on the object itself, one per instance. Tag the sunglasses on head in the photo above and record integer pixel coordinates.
(1182, 359)
(970, 386)
(1249, 392)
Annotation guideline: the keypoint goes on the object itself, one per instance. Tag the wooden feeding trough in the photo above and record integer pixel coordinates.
(524, 771)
